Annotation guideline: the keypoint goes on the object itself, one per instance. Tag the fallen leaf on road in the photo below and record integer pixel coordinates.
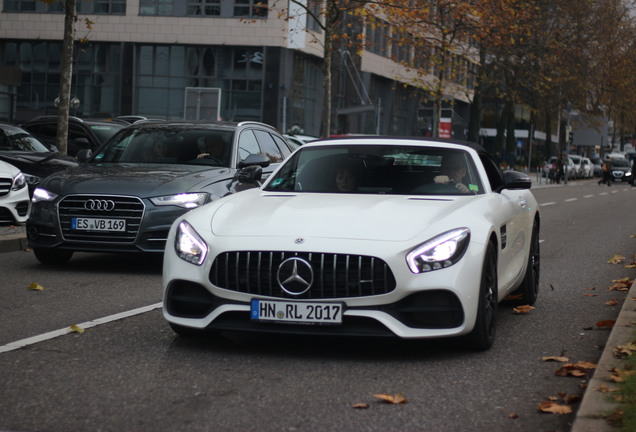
(361, 405)
(36, 287)
(616, 259)
(76, 329)
(576, 370)
(554, 408)
(570, 398)
(512, 297)
(513, 416)
(606, 323)
(555, 358)
(612, 302)
(590, 295)
(393, 399)
(522, 309)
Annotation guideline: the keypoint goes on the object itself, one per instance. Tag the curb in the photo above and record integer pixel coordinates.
(596, 403)
(12, 239)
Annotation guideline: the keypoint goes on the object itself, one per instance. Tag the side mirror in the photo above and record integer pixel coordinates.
(516, 180)
(250, 174)
(255, 159)
(84, 155)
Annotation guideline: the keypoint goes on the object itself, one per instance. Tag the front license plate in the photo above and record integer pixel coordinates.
(296, 312)
(98, 224)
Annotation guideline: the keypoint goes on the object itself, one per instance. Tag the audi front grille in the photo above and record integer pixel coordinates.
(334, 275)
(128, 209)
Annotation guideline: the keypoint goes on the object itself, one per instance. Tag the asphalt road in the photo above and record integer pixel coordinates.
(134, 374)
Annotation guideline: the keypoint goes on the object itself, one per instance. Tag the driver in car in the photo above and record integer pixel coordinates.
(214, 148)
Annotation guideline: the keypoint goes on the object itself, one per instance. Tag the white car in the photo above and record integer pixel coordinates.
(427, 239)
(587, 168)
(15, 202)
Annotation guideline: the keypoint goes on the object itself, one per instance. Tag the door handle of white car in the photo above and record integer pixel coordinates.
(522, 202)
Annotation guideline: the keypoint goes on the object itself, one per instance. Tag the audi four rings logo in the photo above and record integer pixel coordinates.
(99, 204)
(295, 276)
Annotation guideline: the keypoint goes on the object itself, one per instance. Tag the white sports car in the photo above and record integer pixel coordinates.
(368, 236)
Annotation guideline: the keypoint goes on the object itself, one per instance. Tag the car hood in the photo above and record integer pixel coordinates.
(142, 180)
(44, 162)
(386, 218)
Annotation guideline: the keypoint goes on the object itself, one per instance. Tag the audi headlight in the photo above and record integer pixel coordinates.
(189, 245)
(185, 200)
(40, 194)
(439, 252)
(19, 182)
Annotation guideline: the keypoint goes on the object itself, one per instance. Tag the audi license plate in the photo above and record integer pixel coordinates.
(98, 224)
(296, 312)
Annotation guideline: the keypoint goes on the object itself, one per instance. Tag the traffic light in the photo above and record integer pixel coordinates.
(570, 136)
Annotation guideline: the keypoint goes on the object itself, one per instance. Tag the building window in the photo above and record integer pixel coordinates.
(376, 38)
(250, 8)
(102, 7)
(315, 14)
(31, 6)
(156, 7)
(203, 8)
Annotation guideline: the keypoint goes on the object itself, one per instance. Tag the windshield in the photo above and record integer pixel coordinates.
(169, 145)
(378, 169)
(620, 163)
(14, 139)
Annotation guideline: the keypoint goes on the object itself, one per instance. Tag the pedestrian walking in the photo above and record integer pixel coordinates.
(606, 177)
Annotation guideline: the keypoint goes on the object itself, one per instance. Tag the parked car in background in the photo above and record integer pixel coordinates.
(576, 172)
(374, 236)
(597, 164)
(293, 142)
(621, 170)
(14, 195)
(29, 155)
(126, 196)
(587, 169)
(551, 165)
(82, 133)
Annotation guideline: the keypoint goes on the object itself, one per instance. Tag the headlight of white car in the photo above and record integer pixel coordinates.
(439, 252)
(40, 194)
(189, 245)
(18, 182)
(185, 200)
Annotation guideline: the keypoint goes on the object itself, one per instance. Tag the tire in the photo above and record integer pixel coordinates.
(483, 335)
(52, 256)
(529, 289)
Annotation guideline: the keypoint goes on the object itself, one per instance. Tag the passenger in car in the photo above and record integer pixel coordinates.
(347, 177)
(158, 150)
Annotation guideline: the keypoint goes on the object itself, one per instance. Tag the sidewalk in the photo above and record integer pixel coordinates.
(594, 403)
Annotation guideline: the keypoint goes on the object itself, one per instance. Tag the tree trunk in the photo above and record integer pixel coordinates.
(66, 75)
(325, 126)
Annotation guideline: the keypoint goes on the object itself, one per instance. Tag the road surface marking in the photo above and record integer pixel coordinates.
(88, 324)
(547, 204)
(571, 199)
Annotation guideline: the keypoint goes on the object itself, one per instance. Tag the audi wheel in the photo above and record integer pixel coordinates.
(52, 256)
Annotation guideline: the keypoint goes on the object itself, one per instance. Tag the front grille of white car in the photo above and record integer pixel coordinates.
(5, 185)
(334, 275)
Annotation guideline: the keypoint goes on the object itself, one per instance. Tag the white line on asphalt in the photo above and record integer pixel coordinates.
(547, 204)
(88, 324)
(571, 199)
(588, 196)
(603, 193)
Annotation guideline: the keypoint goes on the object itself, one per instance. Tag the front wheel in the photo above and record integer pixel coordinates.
(483, 335)
(52, 256)
(529, 289)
